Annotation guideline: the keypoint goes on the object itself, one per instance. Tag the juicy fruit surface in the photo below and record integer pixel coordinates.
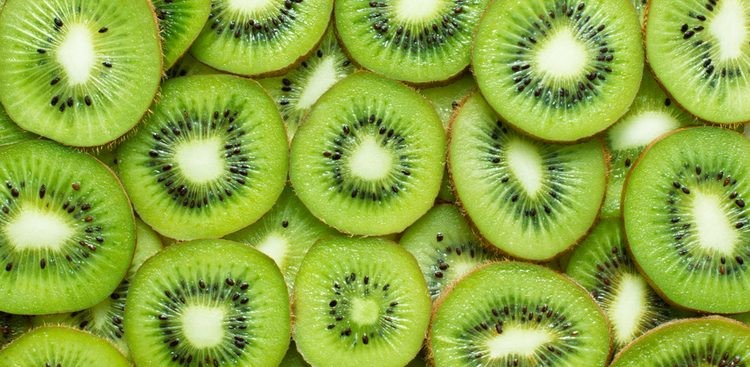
(70, 67)
(686, 219)
(518, 314)
(180, 22)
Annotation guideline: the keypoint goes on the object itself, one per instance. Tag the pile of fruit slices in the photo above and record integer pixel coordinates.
(380, 183)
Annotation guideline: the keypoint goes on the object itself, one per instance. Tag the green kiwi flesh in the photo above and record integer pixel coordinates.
(208, 303)
(188, 65)
(686, 219)
(369, 158)
(67, 232)
(82, 73)
(180, 22)
(531, 200)
(10, 132)
(559, 70)
(213, 146)
(518, 314)
(293, 358)
(360, 302)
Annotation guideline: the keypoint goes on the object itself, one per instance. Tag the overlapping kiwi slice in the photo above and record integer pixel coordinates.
(360, 302)
(561, 70)
(180, 22)
(369, 158)
(686, 218)
(214, 146)
(414, 41)
(188, 65)
(208, 303)
(67, 231)
(260, 36)
(10, 132)
(708, 341)
(79, 72)
(12, 326)
(532, 200)
(518, 314)
(698, 51)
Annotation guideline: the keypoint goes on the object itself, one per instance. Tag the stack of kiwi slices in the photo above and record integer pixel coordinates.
(374, 183)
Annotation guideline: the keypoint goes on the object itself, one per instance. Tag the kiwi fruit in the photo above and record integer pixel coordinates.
(10, 133)
(12, 326)
(561, 70)
(180, 22)
(369, 158)
(517, 314)
(360, 302)
(81, 73)
(708, 341)
(293, 358)
(260, 37)
(67, 232)
(188, 65)
(213, 146)
(445, 247)
(686, 219)
(531, 200)
(208, 303)
(698, 52)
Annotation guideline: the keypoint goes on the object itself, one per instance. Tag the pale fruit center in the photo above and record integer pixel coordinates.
(370, 161)
(76, 54)
(200, 160)
(275, 246)
(460, 268)
(322, 79)
(517, 341)
(364, 311)
(714, 231)
(248, 6)
(35, 229)
(562, 55)
(728, 27)
(203, 326)
(417, 10)
(641, 129)
(526, 164)
(627, 308)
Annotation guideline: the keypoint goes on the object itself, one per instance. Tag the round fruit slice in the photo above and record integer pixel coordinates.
(180, 22)
(208, 303)
(213, 147)
(360, 302)
(61, 346)
(67, 232)
(709, 341)
(686, 219)
(559, 70)
(530, 199)
(369, 158)
(10, 132)
(79, 72)
(518, 314)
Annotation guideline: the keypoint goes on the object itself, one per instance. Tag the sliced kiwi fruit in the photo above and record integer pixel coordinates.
(652, 114)
(293, 358)
(10, 133)
(12, 326)
(414, 41)
(296, 91)
(188, 65)
(708, 341)
(61, 346)
(518, 314)
(285, 234)
(67, 232)
(445, 247)
(602, 265)
(180, 22)
(82, 73)
(213, 147)
(698, 52)
(369, 158)
(208, 303)
(360, 302)
(561, 70)
(532, 200)
(687, 221)
(260, 37)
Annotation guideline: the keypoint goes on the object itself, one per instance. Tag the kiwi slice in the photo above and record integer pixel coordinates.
(10, 133)
(208, 303)
(444, 246)
(686, 219)
(213, 147)
(67, 231)
(414, 41)
(518, 314)
(697, 50)
(12, 326)
(652, 114)
(708, 341)
(260, 37)
(180, 22)
(285, 234)
(293, 358)
(530, 199)
(560, 70)
(61, 346)
(188, 65)
(360, 302)
(602, 265)
(369, 158)
(298, 90)
(82, 73)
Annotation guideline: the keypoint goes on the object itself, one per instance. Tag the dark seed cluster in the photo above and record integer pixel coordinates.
(267, 26)
(464, 252)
